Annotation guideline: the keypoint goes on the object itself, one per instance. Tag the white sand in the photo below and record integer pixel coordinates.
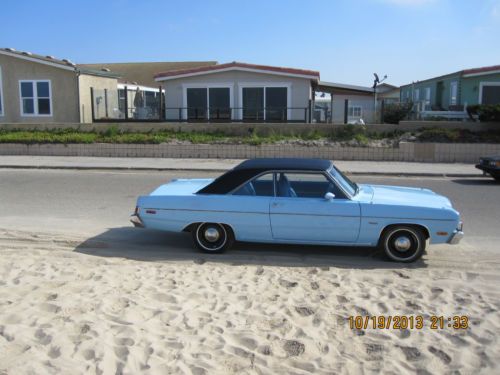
(66, 312)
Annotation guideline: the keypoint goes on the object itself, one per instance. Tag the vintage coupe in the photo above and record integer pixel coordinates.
(300, 201)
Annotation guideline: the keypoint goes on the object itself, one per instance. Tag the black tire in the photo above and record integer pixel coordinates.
(403, 243)
(212, 237)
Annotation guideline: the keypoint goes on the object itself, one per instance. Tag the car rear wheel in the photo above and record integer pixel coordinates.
(212, 237)
(403, 243)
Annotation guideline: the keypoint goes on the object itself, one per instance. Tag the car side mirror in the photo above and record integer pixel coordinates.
(329, 196)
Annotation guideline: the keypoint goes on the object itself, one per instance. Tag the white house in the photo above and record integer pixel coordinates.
(238, 92)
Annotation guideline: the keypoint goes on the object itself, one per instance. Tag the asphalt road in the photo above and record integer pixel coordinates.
(96, 205)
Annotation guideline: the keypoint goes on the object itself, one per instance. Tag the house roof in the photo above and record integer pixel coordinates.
(142, 73)
(484, 69)
(65, 64)
(466, 73)
(342, 88)
(302, 73)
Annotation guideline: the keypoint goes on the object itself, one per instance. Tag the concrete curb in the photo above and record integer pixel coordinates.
(353, 173)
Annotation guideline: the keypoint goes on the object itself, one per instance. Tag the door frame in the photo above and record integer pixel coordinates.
(481, 85)
(206, 85)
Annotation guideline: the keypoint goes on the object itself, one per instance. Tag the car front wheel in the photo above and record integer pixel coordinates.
(403, 243)
(212, 237)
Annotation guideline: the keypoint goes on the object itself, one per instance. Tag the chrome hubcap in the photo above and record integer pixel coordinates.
(211, 234)
(402, 243)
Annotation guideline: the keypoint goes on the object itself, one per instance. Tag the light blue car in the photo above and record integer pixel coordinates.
(300, 201)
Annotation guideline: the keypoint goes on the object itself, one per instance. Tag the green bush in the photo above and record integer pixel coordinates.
(394, 113)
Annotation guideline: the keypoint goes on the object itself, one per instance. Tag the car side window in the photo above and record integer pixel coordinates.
(304, 185)
(262, 186)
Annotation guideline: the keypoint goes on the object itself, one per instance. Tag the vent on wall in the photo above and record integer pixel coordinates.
(10, 49)
(69, 62)
(27, 53)
(106, 70)
(50, 57)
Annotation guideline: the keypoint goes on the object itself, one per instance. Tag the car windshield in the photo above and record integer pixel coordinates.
(346, 184)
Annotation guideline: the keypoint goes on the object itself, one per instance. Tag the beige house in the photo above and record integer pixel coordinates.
(43, 89)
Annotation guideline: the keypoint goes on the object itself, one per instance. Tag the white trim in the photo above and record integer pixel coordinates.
(34, 59)
(264, 85)
(206, 85)
(2, 108)
(481, 73)
(261, 71)
(35, 98)
(481, 85)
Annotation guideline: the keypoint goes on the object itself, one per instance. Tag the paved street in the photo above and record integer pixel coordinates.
(95, 206)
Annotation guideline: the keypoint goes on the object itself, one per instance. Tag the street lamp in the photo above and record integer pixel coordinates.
(376, 82)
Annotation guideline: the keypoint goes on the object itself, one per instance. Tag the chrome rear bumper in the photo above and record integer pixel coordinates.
(456, 237)
(136, 220)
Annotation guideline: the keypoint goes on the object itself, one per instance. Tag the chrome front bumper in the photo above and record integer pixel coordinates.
(456, 237)
(136, 220)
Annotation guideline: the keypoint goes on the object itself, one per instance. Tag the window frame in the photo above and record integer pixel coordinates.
(264, 85)
(416, 95)
(206, 86)
(351, 109)
(427, 95)
(35, 98)
(453, 87)
(326, 174)
(482, 85)
(2, 108)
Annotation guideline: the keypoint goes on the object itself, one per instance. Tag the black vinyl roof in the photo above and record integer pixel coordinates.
(253, 167)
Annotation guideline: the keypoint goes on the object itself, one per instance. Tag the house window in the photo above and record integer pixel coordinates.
(205, 103)
(489, 93)
(355, 111)
(265, 103)
(36, 98)
(417, 95)
(1, 93)
(453, 93)
(427, 96)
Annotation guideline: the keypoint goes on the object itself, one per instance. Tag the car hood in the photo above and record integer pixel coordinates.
(406, 196)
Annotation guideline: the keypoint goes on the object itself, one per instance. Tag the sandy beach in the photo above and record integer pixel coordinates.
(66, 309)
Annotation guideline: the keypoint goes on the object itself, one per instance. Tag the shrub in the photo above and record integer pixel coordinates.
(394, 113)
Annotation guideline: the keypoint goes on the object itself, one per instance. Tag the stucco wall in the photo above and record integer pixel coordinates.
(471, 87)
(99, 84)
(300, 89)
(63, 87)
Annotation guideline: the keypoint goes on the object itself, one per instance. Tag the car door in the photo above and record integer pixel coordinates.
(300, 212)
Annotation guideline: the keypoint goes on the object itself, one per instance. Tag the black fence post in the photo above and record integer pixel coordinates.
(160, 104)
(310, 111)
(92, 103)
(382, 108)
(180, 114)
(346, 111)
(126, 103)
(106, 102)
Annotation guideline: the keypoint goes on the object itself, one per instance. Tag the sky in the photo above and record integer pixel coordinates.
(346, 40)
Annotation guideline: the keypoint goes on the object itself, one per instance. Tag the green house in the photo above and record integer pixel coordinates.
(452, 92)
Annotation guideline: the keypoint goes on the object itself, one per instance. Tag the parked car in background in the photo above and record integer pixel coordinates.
(300, 201)
(490, 165)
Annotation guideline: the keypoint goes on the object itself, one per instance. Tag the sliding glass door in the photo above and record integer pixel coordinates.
(253, 103)
(197, 103)
(265, 103)
(276, 103)
(219, 103)
(212, 103)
